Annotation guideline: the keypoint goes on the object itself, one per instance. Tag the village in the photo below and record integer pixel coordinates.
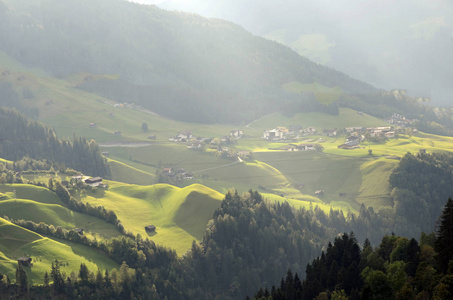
(293, 138)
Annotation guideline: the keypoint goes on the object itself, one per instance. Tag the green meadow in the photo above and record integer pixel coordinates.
(348, 178)
(322, 93)
(18, 242)
(39, 204)
(179, 214)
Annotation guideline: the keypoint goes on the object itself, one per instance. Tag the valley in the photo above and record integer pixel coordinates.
(185, 158)
(347, 178)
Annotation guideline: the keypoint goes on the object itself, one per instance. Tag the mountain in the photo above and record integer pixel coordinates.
(396, 44)
(179, 65)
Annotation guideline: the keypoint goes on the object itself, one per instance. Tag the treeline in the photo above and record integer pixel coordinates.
(248, 242)
(86, 208)
(10, 98)
(134, 250)
(398, 268)
(248, 245)
(20, 137)
(420, 184)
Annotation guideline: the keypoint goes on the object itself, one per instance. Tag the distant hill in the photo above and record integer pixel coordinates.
(21, 137)
(180, 65)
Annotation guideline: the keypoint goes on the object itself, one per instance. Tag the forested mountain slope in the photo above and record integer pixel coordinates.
(20, 137)
(171, 62)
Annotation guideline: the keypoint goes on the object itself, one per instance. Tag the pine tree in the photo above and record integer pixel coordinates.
(83, 273)
(444, 237)
(21, 277)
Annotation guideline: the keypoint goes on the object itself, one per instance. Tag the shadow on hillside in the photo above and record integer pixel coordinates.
(151, 233)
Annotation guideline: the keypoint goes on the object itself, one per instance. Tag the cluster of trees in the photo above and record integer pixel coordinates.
(86, 208)
(398, 268)
(10, 98)
(30, 165)
(21, 137)
(248, 242)
(85, 284)
(246, 246)
(134, 250)
(58, 232)
(421, 182)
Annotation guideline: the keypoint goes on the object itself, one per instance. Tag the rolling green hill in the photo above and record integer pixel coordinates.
(180, 215)
(39, 204)
(18, 242)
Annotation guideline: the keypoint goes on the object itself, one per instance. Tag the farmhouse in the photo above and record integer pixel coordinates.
(117, 132)
(352, 140)
(390, 134)
(25, 261)
(187, 175)
(331, 133)
(182, 137)
(195, 145)
(185, 135)
(167, 171)
(150, 228)
(236, 133)
(305, 147)
(275, 134)
(77, 177)
(94, 182)
(79, 230)
(353, 129)
(310, 130)
(319, 193)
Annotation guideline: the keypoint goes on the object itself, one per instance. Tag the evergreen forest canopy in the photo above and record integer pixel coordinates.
(398, 269)
(421, 183)
(250, 243)
(21, 137)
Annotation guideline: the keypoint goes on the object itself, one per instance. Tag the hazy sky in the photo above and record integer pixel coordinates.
(404, 44)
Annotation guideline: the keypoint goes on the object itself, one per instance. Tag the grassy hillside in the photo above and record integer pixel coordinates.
(125, 173)
(322, 93)
(17, 242)
(346, 118)
(375, 188)
(167, 207)
(39, 204)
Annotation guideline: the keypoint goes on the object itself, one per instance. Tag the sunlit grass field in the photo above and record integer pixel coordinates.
(39, 204)
(17, 242)
(180, 214)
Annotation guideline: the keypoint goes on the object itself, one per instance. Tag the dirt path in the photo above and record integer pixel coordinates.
(125, 144)
(249, 124)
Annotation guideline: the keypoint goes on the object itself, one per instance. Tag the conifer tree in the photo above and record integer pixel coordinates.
(21, 277)
(444, 237)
